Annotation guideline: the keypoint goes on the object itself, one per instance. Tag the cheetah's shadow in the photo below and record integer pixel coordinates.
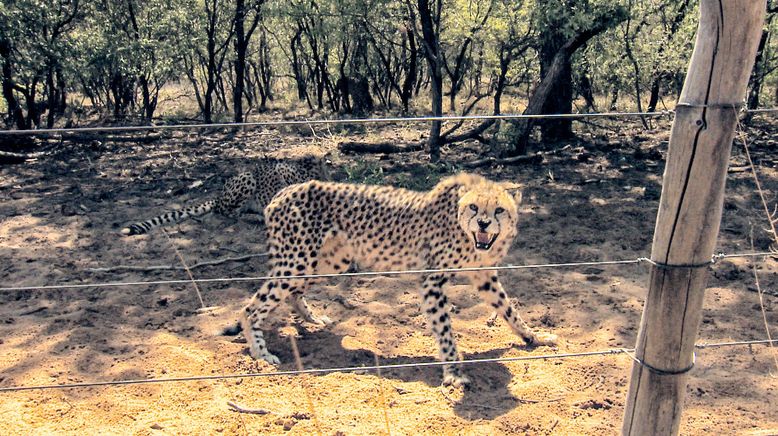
(487, 397)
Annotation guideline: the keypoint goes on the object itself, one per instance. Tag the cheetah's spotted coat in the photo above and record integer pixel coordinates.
(321, 227)
(249, 191)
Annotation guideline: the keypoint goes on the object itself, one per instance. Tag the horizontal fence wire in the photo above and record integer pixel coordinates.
(387, 367)
(766, 110)
(377, 120)
(368, 273)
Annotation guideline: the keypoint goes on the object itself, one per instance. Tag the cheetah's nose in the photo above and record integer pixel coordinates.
(483, 224)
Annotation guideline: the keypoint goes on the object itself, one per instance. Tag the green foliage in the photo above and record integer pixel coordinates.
(661, 38)
(136, 46)
(423, 178)
(365, 172)
(418, 178)
(117, 56)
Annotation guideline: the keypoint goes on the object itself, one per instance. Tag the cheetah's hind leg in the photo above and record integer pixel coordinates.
(335, 257)
(301, 308)
(494, 293)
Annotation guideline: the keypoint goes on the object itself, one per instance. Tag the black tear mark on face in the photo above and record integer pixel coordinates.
(473, 208)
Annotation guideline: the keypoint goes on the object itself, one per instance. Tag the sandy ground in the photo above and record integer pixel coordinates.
(60, 216)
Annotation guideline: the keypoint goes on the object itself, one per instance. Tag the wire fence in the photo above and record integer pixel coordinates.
(346, 369)
(377, 367)
(771, 220)
(377, 120)
(374, 120)
(638, 260)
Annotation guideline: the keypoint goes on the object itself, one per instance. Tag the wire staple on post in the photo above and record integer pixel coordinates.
(659, 371)
(736, 106)
(662, 265)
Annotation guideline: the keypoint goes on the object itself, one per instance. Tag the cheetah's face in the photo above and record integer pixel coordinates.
(488, 213)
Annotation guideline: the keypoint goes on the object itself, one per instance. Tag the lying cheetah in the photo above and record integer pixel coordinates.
(246, 192)
(322, 227)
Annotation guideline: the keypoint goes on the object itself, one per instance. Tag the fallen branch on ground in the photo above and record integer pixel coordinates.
(764, 291)
(532, 159)
(10, 157)
(535, 158)
(240, 409)
(377, 147)
(140, 138)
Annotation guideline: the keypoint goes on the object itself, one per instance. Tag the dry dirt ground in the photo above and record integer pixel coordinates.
(596, 200)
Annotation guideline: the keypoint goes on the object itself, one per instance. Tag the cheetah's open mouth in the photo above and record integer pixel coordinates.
(483, 240)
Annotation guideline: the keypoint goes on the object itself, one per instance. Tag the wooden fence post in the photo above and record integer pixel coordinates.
(690, 212)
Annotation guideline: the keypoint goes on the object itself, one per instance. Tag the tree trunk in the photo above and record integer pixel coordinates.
(457, 74)
(653, 99)
(431, 36)
(560, 96)
(149, 102)
(614, 98)
(538, 99)
(757, 77)
(215, 55)
(51, 94)
(558, 69)
(412, 71)
(636, 71)
(62, 93)
(660, 73)
(241, 44)
(319, 51)
(33, 112)
(302, 86)
(436, 93)
(587, 92)
(260, 87)
(506, 57)
(210, 80)
(263, 73)
(14, 109)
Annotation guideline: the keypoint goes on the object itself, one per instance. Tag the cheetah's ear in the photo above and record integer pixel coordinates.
(514, 189)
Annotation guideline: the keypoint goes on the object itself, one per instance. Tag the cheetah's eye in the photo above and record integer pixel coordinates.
(499, 210)
(474, 208)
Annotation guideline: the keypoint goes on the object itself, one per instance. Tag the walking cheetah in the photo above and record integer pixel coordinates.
(249, 191)
(321, 227)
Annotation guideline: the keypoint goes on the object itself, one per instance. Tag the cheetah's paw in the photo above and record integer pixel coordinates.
(455, 380)
(492, 320)
(322, 321)
(267, 357)
(271, 359)
(548, 339)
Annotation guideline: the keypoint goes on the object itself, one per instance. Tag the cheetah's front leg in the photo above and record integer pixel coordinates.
(253, 318)
(493, 292)
(436, 308)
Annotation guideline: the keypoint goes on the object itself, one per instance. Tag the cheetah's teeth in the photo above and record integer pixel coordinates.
(483, 240)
